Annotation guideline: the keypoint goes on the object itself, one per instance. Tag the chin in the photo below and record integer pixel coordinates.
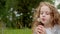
(43, 22)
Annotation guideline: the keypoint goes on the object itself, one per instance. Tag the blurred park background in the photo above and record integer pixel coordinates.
(16, 16)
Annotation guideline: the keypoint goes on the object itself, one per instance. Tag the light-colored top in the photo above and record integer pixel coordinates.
(55, 30)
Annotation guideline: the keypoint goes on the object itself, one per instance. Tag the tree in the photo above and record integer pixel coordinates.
(22, 7)
(58, 6)
(25, 7)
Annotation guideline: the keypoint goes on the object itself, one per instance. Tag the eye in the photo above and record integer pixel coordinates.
(47, 13)
(41, 13)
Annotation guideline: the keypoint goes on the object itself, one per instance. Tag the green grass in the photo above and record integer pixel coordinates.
(17, 31)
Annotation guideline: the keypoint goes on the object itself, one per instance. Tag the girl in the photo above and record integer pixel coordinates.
(46, 19)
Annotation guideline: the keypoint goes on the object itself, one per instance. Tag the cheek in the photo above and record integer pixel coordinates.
(48, 17)
(40, 16)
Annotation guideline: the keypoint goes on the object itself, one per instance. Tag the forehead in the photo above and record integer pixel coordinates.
(45, 8)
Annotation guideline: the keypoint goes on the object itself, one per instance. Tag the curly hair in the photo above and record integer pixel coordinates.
(55, 19)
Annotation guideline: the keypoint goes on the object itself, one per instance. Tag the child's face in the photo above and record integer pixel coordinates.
(45, 14)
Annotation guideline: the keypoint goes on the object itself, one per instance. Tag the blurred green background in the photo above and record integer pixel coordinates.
(16, 15)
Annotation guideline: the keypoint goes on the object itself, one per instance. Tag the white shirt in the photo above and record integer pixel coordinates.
(54, 30)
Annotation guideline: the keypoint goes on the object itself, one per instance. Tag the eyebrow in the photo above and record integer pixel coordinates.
(46, 11)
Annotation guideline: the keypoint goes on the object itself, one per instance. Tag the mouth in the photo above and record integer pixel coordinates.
(43, 19)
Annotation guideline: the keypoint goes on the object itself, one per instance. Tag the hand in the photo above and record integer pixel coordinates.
(40, 30)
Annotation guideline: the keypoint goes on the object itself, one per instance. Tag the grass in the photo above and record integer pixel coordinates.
(17, 31)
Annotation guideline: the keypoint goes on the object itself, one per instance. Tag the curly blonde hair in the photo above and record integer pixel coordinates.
(54, 14)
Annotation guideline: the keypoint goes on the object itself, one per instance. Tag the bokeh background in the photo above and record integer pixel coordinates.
(16, 16)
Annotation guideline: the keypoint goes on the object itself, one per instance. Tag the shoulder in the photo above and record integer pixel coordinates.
(57, 28)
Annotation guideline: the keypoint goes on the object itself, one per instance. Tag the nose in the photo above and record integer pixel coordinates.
(43, 15)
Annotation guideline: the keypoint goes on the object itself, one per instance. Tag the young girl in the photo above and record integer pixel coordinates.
(46, 19)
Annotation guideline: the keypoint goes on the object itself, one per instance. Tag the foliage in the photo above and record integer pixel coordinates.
(58, 6)
(23, 17)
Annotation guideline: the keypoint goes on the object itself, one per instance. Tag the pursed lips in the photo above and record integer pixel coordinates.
(43, 19)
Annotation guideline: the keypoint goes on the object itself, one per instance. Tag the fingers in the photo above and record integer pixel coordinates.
(40, 26)
(40, 29)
